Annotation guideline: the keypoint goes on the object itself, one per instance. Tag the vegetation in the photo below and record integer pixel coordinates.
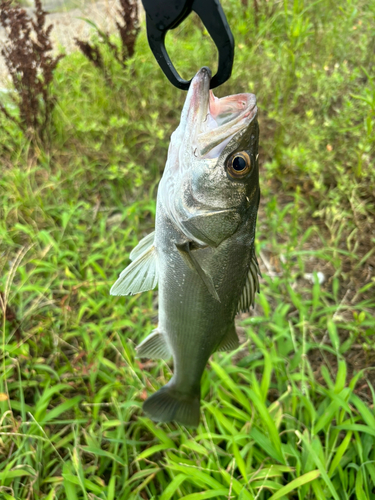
(30, 66)
(128, 31)
(289, 415)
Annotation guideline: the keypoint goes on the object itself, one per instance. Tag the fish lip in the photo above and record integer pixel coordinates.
(201, 92)
(196, 103)
(253, 111)
(200, 77)
(203, 72)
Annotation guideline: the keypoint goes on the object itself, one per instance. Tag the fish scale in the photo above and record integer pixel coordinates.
(187, 328)
(202, 252)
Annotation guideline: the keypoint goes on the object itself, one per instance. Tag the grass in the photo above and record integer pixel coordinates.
(289, 415)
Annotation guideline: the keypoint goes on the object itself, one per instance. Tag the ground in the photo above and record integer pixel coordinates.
(289, 415)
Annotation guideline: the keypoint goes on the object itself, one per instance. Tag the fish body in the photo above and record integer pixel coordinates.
(202, 251)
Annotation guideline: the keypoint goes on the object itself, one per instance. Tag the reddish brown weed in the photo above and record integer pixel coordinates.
(31, 67)
(128, 30)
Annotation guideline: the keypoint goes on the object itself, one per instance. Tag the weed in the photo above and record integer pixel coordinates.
(128, 31)
(30, 66)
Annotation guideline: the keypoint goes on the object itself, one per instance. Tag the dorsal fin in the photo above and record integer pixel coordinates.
(251, 286)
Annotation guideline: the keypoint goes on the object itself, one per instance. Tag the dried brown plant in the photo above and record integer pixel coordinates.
(30, 65)
(128, 31)
(92, 53)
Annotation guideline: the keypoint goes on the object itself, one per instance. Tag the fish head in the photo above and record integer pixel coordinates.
(212, 165)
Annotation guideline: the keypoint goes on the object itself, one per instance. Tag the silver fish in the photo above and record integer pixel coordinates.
(202, 251)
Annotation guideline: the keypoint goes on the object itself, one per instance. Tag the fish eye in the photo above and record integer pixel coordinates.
(239, 165)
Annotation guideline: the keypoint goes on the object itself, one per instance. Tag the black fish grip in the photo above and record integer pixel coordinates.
(163, 15)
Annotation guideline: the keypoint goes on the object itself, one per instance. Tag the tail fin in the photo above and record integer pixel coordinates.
(167, 404)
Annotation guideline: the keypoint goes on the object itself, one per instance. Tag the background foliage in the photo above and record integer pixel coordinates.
(289, 415)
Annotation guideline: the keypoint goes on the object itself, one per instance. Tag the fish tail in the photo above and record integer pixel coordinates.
(168, 404)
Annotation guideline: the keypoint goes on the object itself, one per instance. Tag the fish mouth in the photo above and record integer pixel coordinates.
(225, 118)
(211, 122)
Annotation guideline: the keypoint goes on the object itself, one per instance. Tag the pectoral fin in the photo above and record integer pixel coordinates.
(188, 255)
(145, 244)
(213, 227)
(141, 275)
(251, 286)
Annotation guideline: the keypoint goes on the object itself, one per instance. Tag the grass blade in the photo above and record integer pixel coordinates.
(296, 483)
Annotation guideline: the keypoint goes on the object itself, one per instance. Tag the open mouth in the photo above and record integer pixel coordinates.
(225, 117)
(209, 123)
(222, 111)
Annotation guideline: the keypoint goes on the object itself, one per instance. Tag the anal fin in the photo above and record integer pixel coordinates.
(230, 342)
(193, 263)
(154, 346)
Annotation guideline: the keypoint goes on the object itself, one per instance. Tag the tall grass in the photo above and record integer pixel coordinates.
(288, 415)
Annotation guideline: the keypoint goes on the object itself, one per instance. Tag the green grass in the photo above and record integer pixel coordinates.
(290, 415)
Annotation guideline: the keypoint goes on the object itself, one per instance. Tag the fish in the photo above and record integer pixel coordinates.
(202, 253)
